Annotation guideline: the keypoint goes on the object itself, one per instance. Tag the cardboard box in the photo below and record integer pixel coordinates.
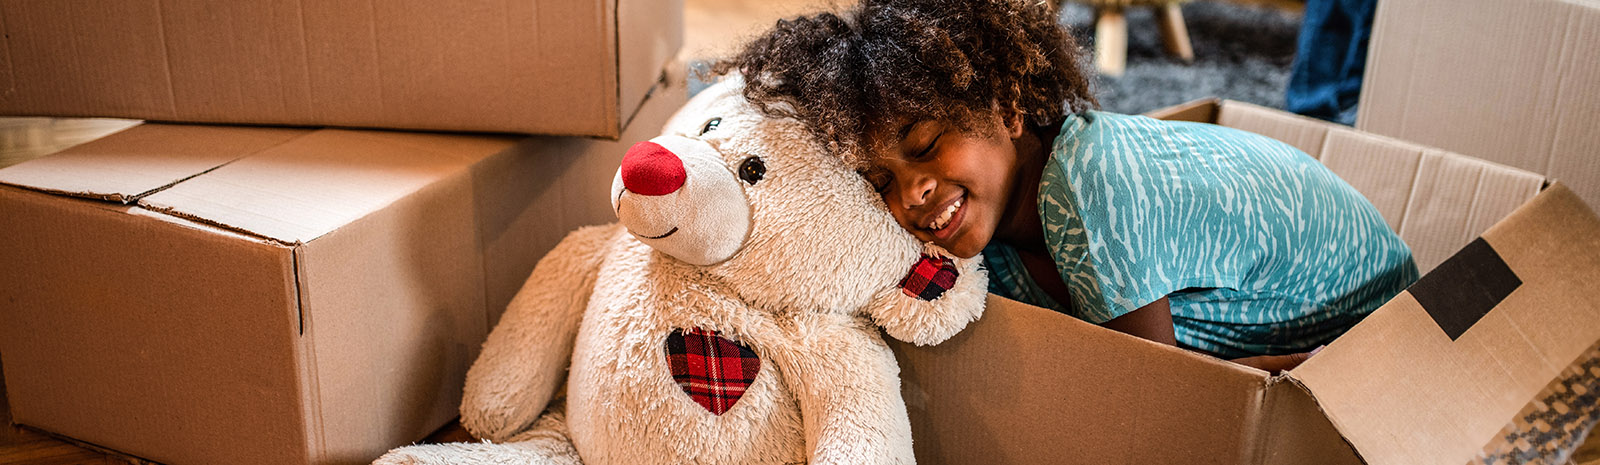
(1414, 383)
(206, 294)
(1516, 83)
(564, 67)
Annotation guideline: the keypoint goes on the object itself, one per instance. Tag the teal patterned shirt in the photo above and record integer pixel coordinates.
(1260, 248)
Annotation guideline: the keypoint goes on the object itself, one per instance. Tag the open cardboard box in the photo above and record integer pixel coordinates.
(1428, 378)
(565, 67)
(232, 295)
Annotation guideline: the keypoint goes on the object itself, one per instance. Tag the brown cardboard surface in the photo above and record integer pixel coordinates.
(302, 189)
(1199, 111)
(388, 329)
(570, 67)
(1455, 198)
(1402, 391)
(652, 32)
(1294, 430)
(1028, 385)
(312, 300)
(140, 160)
(1303, 133)
(191, 346)
(1508, 82)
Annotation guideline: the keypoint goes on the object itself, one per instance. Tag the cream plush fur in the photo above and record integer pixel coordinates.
(802, 267)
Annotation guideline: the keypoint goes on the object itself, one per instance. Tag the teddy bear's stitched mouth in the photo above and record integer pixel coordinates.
(663, 236)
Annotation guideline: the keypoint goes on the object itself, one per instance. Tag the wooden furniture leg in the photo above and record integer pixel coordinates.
(1111, 41)
(1174, 34)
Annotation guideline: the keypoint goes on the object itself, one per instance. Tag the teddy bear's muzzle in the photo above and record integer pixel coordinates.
(676, 194)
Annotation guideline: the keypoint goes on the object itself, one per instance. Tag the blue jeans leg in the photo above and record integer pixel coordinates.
(1330, 57)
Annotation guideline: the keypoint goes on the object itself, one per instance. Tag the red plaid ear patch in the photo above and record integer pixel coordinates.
(713, 370)
(929, 278)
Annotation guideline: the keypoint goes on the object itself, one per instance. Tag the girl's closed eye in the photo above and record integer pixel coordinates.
(927, 150)
(878, 178)
(919, 140)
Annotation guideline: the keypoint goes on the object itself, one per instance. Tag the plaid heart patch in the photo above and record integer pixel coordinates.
(713, 370)
(929, 278)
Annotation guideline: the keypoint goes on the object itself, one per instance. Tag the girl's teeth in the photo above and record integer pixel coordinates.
(944, 218)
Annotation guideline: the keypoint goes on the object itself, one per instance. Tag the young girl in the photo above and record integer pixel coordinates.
(975, 121)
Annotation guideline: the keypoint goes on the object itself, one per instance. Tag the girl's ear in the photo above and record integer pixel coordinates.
(936, 299)
(1015, 123)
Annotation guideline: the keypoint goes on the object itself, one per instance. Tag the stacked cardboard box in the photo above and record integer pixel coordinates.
(1428, 378)
(568, 67)
(230, 294)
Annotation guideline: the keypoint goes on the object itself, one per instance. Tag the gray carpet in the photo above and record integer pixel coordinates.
(1241, 53)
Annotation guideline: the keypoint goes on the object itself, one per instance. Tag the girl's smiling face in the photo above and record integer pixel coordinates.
(947, 186)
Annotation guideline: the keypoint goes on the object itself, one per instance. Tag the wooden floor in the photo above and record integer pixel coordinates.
(714, 28)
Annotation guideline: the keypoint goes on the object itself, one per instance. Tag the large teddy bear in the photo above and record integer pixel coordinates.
(730, 318)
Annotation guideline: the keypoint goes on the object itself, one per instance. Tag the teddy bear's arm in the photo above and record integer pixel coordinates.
(848, 385)
(525, 358)
(927, 322)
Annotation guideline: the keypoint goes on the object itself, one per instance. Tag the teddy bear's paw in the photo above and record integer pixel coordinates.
(537, 451)
(415, 455)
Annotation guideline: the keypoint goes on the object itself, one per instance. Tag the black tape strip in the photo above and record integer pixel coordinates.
(1464, 288)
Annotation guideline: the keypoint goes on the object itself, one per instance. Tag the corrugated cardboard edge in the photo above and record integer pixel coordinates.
(1284, 438)
(661, 51)
(316, 445)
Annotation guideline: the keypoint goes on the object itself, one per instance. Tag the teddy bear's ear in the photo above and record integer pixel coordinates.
(936, 299)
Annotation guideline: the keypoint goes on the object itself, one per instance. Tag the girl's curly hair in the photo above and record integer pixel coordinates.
(913, 60)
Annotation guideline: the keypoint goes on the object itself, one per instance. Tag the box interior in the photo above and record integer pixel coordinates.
(1514, 84)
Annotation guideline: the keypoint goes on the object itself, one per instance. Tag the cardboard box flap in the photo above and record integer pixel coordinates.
(1199, 110)
(976, 398)
(1303, 133)
(1432, 375)
(1382, 169)
(1437, 201)
(141, 160)
(1294, 430)
(1454, 198)
(307, 187)
(1535, 109)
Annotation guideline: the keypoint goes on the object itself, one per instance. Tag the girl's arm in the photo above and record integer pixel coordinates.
(1154, 322)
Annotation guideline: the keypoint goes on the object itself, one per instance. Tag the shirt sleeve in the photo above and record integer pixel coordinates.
(1100, 231)
(1102, 271)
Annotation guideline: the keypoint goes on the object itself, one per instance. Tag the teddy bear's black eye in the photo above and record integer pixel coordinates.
(710, 125)
(751, 170)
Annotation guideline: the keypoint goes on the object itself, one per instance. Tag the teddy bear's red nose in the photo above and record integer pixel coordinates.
(650, 169)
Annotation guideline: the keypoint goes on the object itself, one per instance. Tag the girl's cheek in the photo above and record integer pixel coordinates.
(899, 218)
